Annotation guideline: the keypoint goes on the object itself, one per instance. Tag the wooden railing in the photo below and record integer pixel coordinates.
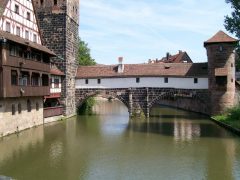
(52, 111)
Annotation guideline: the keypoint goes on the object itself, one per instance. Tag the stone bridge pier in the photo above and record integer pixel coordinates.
(139, 101)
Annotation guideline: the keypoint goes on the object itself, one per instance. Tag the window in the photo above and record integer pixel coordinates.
(165, 80)
(18, 31)
(24, 79)
(195, 80)
(8, 27)
(16, 9)
(55, 2)
(137, 80)
(26, 34)
(28, 16)
(45, 80)
(221, 80)
(37, 106)
(35, 79)
(86, 81)
(14, 77)
(56, 83)
(29, 108)
(13, 109)
(99, 81)
(34, 38)
(19, 108)
(41, 2)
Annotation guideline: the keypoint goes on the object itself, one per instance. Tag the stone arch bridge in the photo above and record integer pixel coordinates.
(140, 100)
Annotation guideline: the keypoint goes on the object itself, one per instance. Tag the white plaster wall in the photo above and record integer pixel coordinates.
(20, 19)
(11, 123)
(181, 83)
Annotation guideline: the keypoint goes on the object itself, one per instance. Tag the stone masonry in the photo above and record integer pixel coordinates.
(141, 100)
(58, 22)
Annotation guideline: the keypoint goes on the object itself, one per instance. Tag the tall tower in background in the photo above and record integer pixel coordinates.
(59, 21)
(221, 71)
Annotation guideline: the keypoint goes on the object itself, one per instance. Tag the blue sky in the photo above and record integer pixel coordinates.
(140, 30)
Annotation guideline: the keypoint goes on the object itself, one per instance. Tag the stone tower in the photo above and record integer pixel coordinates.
(58, 20)
(221, 71)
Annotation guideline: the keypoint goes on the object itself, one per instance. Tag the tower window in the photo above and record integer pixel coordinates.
(13, 109)
(29, 108)
(19, 108)
(37, 106)
(16, 9)
(221, 80)
(55, 2)
(137, 80)
(165, 80)
(195, 80)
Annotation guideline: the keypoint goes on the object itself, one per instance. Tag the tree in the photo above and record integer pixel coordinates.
(232, 24)
(84, 57)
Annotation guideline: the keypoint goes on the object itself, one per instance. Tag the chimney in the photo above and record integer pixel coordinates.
(120, 65)
(167, 55)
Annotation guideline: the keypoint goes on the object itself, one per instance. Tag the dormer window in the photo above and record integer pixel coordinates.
(28, 16)
(16, 9)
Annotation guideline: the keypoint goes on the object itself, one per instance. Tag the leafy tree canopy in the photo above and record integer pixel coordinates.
(84, 56)
(232, 24)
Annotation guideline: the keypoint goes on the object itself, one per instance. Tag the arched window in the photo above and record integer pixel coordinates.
(13, 109)
(29, 108)
(19, 108)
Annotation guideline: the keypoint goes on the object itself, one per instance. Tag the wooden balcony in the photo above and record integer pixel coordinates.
(25, 91)
(52, 111)
(19, 62)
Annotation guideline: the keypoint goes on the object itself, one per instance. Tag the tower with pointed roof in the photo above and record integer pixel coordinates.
(58, 21)
(221, 71)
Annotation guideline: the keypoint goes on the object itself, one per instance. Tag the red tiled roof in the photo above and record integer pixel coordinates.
(55, 71)
(144, 70)
(181, 57)
(220, 37)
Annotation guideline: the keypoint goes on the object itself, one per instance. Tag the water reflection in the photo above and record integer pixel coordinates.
(173, 144)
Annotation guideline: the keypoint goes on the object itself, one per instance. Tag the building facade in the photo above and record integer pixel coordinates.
(58, 21)
(24, 68)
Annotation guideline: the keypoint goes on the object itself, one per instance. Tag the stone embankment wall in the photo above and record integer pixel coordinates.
(22, 119)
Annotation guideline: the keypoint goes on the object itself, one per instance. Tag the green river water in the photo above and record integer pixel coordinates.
(172, 144)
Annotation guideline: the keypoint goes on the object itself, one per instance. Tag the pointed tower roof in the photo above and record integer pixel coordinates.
(220, 37)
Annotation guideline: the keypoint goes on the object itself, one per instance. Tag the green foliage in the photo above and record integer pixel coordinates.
(230, 117)
(232, 24)
(86, 108)
(84, 57)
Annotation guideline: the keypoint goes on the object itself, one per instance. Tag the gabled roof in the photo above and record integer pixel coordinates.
(17, 39)
(144, 70)
(181, 57)
(220, 37)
